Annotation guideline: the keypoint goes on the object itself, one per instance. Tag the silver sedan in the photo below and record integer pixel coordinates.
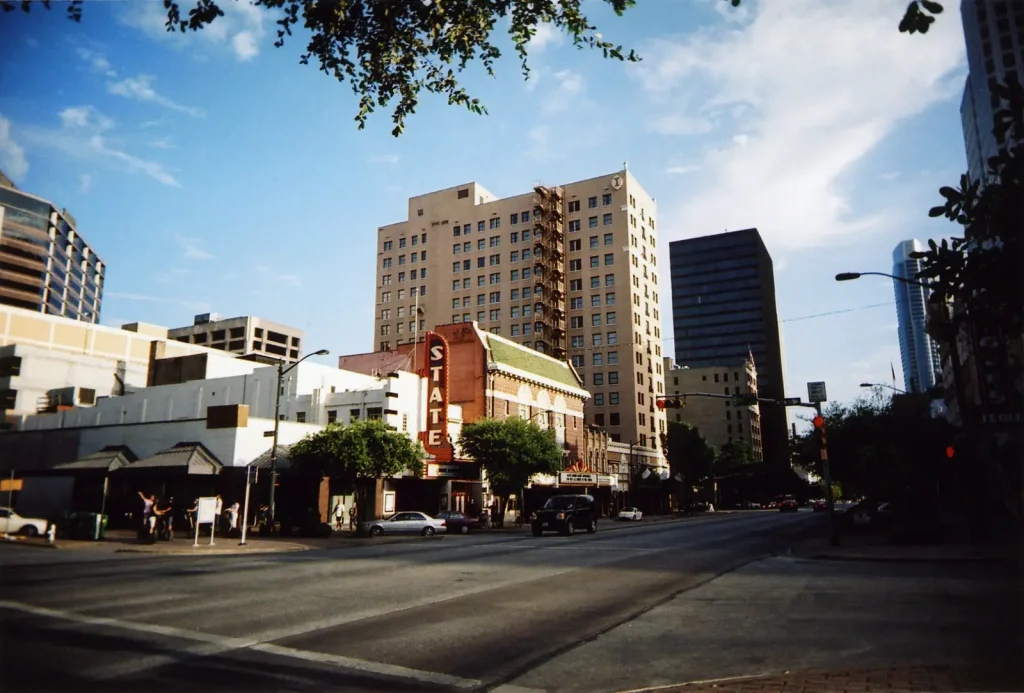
(408, 523)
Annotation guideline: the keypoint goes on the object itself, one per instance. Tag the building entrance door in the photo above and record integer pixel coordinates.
(459, 501)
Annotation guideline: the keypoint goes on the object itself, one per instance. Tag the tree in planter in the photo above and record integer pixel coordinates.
(395, 49)
(511, 451)
(357, 456)
(691, 458)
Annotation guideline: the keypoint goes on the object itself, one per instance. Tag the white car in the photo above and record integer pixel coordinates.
(408, 523)
(13, 523)
(630, 514)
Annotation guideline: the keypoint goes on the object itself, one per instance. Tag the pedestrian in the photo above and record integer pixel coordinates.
(232, 514)
(352, 514)
(218, 510)
(339, 515)
(148, 515)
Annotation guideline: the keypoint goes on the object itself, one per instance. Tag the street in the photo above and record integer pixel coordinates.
(630, 607)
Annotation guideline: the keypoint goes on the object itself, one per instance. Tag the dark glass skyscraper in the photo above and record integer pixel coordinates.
(992, 33)
(723, 308)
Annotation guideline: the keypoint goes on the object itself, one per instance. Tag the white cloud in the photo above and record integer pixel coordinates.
(12, 155)
(384, 159)
(85, 117)
(681, 170)
(96, 62)
(240, 30)
(566, 93)
(547, 35)
(162, 143)
(813, 104)
(84, 182)
(290, 279)
(192, 248)
(678, 124)
(890, 175)
(141, 88)
(538, 136)
(197, 306)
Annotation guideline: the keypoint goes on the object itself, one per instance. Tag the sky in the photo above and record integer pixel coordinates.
(213, 172)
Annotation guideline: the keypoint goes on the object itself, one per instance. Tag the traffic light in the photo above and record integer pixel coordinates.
(671, 402)
(819, 432)
(950, 451)
(744, 400)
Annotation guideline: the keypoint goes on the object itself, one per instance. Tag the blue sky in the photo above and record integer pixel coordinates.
(212, 172)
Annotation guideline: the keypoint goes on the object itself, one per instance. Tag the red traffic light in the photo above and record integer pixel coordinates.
(660, 404)
(950, 451)
(819, 422)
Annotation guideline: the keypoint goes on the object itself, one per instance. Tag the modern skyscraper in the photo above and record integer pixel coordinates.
(992, 32)
(45, 265)
(919, 353)
(723, 310)
(570, 271)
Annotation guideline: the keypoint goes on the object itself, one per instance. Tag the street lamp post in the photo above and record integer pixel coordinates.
(281, 371)
(891, 387)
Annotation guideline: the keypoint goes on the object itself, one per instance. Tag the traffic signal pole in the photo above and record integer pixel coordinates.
(826, 474)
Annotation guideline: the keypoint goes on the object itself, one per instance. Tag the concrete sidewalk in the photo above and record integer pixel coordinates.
(908, 679)
(875, 548)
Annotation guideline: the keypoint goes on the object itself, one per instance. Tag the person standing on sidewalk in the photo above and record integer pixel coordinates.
(339, 515)
(352, 514)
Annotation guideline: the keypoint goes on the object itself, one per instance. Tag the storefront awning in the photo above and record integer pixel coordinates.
(187, 458)
(108, 459)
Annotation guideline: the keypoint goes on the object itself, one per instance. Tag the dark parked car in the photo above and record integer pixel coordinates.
(565, 514)
(458, 523)
(788, 506)
(820, 506)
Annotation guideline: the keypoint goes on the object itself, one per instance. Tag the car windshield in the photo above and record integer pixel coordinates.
(560, 503)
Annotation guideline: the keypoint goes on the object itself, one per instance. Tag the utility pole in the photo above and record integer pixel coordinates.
(273, 447)
(826, 474)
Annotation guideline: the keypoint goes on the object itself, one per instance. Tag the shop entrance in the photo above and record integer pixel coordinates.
(459, 501)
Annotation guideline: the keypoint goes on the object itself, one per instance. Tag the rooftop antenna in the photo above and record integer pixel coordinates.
(625, 165)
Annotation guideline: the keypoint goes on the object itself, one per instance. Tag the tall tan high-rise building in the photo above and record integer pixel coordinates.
(569, 270)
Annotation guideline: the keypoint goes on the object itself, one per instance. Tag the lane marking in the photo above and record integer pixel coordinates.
(374, 668)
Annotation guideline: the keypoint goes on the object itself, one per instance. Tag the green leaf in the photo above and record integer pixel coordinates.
(932, 6)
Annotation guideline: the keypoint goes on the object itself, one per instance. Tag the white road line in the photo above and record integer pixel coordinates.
(374, 668)
(145, 600)
(509, 688)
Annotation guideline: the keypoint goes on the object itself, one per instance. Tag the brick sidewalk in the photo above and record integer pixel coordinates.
(911, 679)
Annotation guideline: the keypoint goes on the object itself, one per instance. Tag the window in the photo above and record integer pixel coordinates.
(494, 278)
(495, 222)
(527, 329)
(598, 378)
(591, 202)
(481, 316)
(609, 238)
(481, 261)
(463, 194)
(577, 361)
(514, 312)
(524, 217)
(613, 338)
(527, 273)
(595, 261)
(575, 285)
(494, 241)
(574, 206)
(607, 219)
(609, 299)
(401, 242)
(514, 295)
(495, 314)
(401, 259)
(412, 274)
(385, 280)
(599, 399)
(526, 234)
(385, 296)
(577, 342)
(387, 245)
(595, 302)
(385, 314)
(467, 229)
(609, 259)
(481, 299)
(609, 318)
(593, 241)
(575, 265)
(574, 245)
(514, 219)
(493, 260)
(415, 239)
(526, 291)
(613, 358)
(527, 254)
(609, 280)
(456, 248)
(513, 256)
(481, 226)
(332, 416)
(576, 303)
(597, 340)
(466, 283)
(613, 377)
(385, 330)
(574, 226)
(595, 282)
(494, 297)
(592, 222)
(598, 359)
(595, 319)
(576, 322)
(606, 199)
(401, 277)
(513, 275)
(481, 244)
(613, 398)
(386, 263)
(515, 333)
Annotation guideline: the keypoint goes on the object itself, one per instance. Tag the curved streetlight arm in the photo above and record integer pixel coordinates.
(894, 389)
(322, 352)
(849, 276)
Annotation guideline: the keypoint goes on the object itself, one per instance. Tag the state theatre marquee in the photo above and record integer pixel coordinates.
(586, 479)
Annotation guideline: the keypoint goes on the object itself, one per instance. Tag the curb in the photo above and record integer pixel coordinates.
(907, 559)
(237, 551)
(13, 541)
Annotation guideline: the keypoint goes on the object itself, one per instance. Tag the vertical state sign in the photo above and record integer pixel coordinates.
(435, 438)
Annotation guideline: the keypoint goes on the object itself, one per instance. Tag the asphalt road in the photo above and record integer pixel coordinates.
(621, 609)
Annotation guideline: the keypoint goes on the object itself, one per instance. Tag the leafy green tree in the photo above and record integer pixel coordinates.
(357, 456)
(691, 458)
(511, 451)
(735, 456)
(395, 49)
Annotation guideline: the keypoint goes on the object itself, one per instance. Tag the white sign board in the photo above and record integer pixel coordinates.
(577, 478)
(206, 511)
(816, 392)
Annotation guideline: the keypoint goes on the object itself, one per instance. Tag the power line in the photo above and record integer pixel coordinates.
(837, 312)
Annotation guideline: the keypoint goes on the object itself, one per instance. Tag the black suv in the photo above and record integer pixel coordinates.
(565, 514)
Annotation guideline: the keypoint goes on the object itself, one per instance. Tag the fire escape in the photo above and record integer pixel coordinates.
(548, 272)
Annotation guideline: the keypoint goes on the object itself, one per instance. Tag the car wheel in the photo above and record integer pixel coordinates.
(592, 527)
(29, 531)
(429, 531)
(464, 529)
(376, 531)
(570, 528)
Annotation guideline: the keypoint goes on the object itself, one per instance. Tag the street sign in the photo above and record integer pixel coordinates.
(268, 434)
(791, 401)
(11, 484)
(816, 392)
(252, 474)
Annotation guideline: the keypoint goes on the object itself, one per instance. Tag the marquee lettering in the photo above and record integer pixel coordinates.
(435, 439)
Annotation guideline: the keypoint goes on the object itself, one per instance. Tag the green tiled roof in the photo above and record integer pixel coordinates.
(515, 356)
